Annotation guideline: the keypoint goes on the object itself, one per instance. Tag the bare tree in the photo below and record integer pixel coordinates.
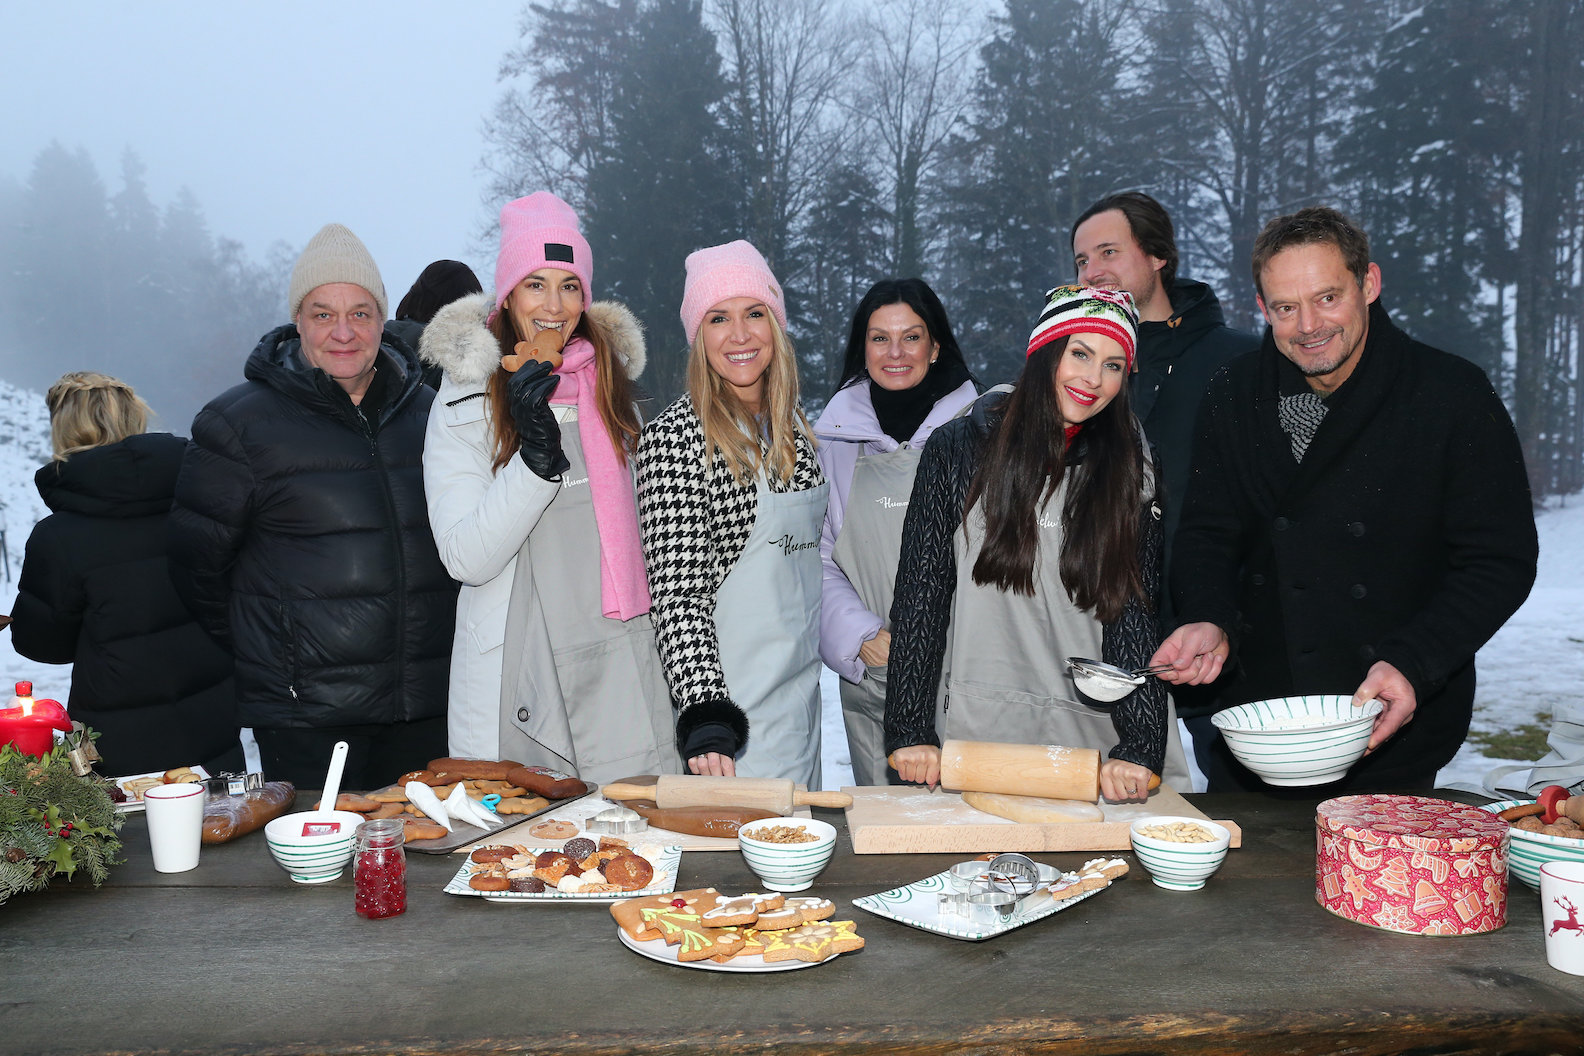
(552, 128)
(785, 62)
(917, 72)
(1251, 91)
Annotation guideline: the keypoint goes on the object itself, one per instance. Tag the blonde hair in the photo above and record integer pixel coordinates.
(731, 429)
(89, 409)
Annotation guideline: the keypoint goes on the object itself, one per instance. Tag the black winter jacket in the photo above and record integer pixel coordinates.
(300, 536)
(1405, 535)
(927, 581)
(96, 592)
(1176, 360)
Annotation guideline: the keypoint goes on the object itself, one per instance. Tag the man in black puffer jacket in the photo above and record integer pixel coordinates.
(300, 536)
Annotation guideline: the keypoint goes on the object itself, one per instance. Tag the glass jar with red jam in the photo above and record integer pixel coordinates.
(379, 869)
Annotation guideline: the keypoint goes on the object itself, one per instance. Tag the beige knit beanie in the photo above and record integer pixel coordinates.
(335, 254)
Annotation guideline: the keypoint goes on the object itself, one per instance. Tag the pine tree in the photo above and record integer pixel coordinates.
(659, 188)
(1037, 149)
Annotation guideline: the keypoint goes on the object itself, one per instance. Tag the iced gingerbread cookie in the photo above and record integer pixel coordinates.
(636, 915)
(812, 942)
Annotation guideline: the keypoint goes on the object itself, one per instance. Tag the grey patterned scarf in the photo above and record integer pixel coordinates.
(1300, 415)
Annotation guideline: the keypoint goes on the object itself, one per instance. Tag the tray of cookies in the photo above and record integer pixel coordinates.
(585, 868)
(963, 902)
(132, 787)
(507, 790)
(754, 932)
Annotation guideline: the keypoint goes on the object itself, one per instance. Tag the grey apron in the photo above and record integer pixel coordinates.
(580, 691)
(1006, 680)
(767, 623)
(866, 551)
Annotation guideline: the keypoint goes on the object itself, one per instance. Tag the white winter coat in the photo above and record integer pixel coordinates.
(482, 518)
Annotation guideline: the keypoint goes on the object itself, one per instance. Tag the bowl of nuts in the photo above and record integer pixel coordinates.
(1534, 842)
(786, 854)
(1180, 854)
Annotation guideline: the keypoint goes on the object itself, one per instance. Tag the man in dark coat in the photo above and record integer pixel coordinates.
(300, 537)
(1358, 518)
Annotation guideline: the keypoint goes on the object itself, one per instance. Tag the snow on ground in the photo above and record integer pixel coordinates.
(1533, 662)
(1537, 659)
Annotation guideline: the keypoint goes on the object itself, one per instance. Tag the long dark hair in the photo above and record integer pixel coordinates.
(614, 392)
(1023, 465)
(917, 295)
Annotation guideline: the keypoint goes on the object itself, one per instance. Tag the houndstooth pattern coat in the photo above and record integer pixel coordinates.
(695, 520)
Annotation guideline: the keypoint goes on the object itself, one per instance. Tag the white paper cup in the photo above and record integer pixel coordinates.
(1561, 908)
(175, 824)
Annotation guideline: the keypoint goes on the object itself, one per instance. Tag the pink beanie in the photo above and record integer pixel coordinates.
(720, 273)
(540, 231)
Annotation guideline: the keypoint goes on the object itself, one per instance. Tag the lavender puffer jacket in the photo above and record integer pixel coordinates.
(847, 430)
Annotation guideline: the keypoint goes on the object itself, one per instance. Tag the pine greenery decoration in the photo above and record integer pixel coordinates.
(52, 822)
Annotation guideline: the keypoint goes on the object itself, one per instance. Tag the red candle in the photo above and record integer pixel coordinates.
(31, 725)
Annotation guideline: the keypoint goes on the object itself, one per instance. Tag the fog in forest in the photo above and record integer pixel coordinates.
(147, 228)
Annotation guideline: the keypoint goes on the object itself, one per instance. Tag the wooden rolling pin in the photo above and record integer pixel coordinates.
(764, 793)
(1048, 771)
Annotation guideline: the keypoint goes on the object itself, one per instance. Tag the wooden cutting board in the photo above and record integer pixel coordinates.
(579, 811)
(909, 819)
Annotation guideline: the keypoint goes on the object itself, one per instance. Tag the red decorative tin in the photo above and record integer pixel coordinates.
(1411, 864)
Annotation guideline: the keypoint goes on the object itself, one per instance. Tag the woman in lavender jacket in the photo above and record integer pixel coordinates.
(903, 375)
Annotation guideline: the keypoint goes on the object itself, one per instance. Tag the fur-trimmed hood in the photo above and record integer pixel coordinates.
(459, 343)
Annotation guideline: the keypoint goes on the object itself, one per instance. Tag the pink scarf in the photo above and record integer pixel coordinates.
(624, 588)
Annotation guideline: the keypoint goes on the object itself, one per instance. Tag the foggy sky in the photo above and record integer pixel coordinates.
(279, 116)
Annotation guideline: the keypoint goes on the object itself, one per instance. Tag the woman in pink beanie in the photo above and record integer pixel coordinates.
(528, 478)
(731, 500)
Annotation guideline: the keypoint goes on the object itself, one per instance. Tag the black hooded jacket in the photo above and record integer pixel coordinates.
(1176, 360)
(301, 538)
(96, 592)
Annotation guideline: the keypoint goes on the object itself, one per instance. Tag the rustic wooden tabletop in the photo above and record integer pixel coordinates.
(233, 957)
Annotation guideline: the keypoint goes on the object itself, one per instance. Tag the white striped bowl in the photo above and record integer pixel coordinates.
(1298, 740)
(1179, 866)
(312, 859)
(1528, 851)
(787, 866)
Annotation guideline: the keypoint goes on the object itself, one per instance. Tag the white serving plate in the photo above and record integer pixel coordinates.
(658, 950)
(664, 860)
(134, 805)
(918, 905)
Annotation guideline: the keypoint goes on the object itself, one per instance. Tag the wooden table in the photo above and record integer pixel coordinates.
(234, 958)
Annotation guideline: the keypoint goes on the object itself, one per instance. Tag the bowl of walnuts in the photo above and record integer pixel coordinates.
(1534, 840)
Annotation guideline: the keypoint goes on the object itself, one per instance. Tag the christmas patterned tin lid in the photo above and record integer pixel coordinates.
(1416, 823)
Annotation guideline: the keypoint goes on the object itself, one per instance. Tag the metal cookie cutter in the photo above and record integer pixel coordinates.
(1015, 878)
(616, 821)
(228, 784)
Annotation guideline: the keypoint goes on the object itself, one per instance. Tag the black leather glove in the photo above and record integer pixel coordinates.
(538, 433)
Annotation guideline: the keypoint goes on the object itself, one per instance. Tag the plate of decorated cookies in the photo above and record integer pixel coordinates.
(584, 868)
(962, 903)
(705, 929)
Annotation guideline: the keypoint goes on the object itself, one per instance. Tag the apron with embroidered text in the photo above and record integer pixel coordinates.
(1006, 680)
(866, 551)
(580, 692)
(767, 623)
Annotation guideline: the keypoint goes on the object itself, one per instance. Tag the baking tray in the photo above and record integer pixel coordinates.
(464, 835)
